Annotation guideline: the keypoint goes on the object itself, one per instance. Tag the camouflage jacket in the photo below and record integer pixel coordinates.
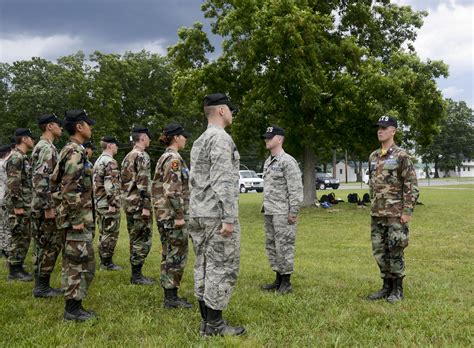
(170, 190)
(214, 176)
(392, 183)
(72, 186)
(282, 185)
(3, 181)
(43, 161)
(136, 181)
(19, 181)
(107, 185)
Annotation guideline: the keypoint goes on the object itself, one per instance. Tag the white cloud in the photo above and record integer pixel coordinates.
(452, 92)
(18, 47)
(447, 34)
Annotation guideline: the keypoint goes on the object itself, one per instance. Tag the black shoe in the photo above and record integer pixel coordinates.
(285, 286)
(384, 292)
(216, 326)
(203, 310)
(74, 311)
(273, 286)
(43, 289)
(18, 273)
(397, 291)
(107, 264)
(138, 278)
(173, 301)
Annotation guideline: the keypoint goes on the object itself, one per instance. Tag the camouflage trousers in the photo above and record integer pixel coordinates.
(48, 241)
(280, 243)
(78, 264)
(140, 235)
(20, 227)
(389, 239)
(217, 261)
(109, 228)
(5, 234)
(174, 243)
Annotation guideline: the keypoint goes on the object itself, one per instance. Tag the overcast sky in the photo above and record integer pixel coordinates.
(54, 28)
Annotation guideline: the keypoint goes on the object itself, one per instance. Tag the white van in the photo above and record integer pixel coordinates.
(249, 180)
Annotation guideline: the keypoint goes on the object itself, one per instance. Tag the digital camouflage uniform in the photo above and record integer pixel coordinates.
(214, 199)
(136, 191)
(5, 234)
(107, 186)
(170, 194)
(18, 196)
(72, 183)
(282, 197)
(393, 191)
(48, 240)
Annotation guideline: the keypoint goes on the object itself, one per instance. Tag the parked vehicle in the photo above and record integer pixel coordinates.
(249, 181)
(324, 180)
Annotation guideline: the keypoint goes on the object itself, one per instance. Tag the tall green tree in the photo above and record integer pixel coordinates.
(455, 141)
(324, 70)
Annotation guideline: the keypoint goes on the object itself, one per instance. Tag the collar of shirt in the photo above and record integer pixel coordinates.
(212, 125)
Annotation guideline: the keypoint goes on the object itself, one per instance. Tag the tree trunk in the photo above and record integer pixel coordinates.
(334, 163)
(359, 172)
(309, 181)
(436, 173)
(345, 164)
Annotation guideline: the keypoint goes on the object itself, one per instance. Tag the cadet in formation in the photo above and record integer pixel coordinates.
(107, 186)
(19, 193)
(48, 240)
(72, 185)
(136, 191)
(282, 198)
(214, 224)
(5, 234)
(170, 194)
(393, 191)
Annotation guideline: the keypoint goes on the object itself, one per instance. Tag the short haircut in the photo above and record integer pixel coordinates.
(70, 127)
(136, 137)
(104, 144)
(210, 110)
(18, 139)
(43, 127)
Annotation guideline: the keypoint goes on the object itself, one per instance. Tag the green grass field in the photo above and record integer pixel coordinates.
(334, 271)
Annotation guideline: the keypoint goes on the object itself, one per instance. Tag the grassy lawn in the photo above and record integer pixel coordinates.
(334, 272)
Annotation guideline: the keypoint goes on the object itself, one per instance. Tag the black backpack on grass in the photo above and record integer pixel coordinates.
(353, 198)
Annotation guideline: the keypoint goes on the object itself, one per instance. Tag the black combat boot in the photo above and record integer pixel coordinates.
(273, 286)
(384, 292)
(203, 310)
(107, 264)
(18, 273)
(74, 311)
(43, 289)
(218, 326)
(285, 286)
(173, 301)
(138, 278)
(397, 291)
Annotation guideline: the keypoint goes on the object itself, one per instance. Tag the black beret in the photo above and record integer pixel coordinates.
(5, 148)
(175, 129)
(387, 121)
(272, 131)
(24, 132)
(141, 129)
(78, 115)
(219, 99)
(109, 139)
(48, 118)
(89, 145)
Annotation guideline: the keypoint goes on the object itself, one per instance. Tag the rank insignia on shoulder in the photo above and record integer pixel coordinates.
(175, 164)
